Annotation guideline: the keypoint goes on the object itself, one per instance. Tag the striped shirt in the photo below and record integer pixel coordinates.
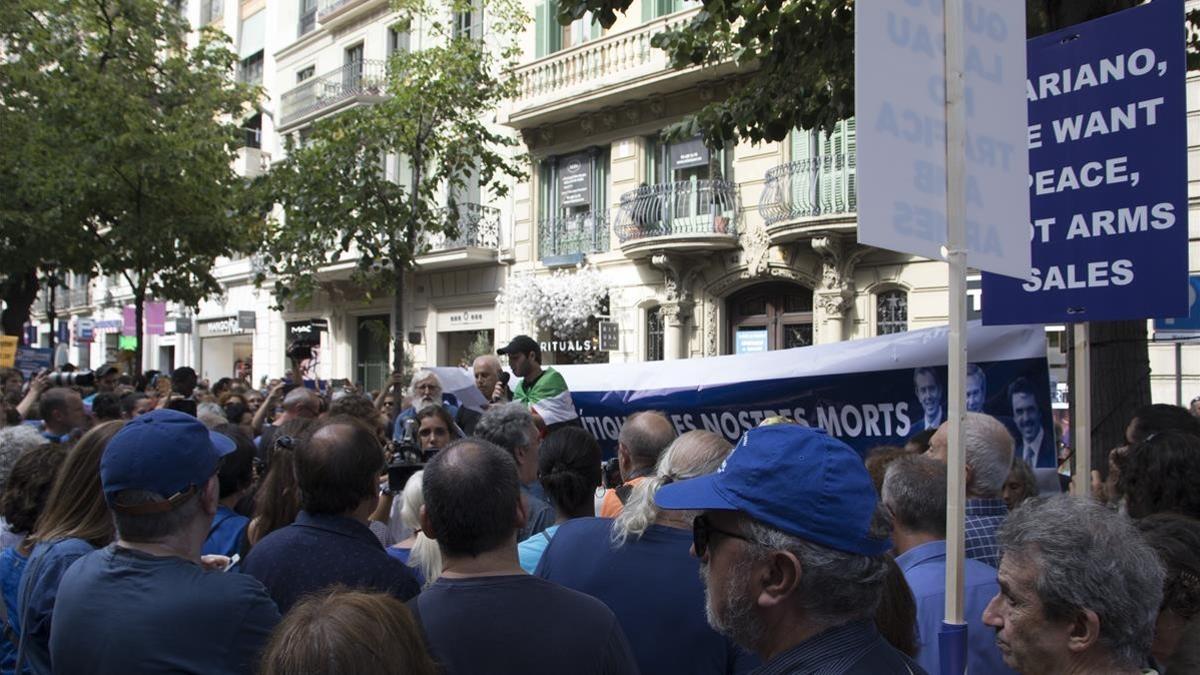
(855, 647)
(983, 518)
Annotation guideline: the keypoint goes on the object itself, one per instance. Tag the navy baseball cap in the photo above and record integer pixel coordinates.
(164, 451)
(794, 478)
(521, 344)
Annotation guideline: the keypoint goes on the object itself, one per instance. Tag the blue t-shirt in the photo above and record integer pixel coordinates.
(403, 555)
(124, 611)
(227, 534)
(39, 589)
(519, 624)
(530, 550)
(12, 566)
(653, 586)
(924, 569)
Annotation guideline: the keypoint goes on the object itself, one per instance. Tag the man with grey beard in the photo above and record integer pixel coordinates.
(793, 552)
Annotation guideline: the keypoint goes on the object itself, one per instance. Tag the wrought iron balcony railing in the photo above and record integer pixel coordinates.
(581, 233)
(357, 78)
(682, 208)
(808, 188)
(468, 225)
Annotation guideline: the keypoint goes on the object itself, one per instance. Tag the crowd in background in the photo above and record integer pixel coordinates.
(159, 523)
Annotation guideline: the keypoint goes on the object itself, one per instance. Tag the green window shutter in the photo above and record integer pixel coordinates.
(541, 29)
(648, 8)
(802, 184)
(595, 30)
(851, 166)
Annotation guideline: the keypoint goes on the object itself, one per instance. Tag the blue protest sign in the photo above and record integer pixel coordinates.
(1107, 173)
(33, 360)
(1189, 324)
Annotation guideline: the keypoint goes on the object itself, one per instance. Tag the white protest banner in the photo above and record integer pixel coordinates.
(901, 127)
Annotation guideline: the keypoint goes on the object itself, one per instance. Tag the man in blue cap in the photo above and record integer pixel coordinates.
(148, 603)
(793, 551)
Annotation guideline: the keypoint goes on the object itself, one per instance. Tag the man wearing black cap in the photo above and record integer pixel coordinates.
(793, 553)
(148, 603)
(542, 390)
(106, 382)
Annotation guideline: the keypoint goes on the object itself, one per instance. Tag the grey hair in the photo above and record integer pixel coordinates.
(491, 360)
(14, 442)
(211, 414)
(693, 454)
(153, 527)
(422, 375)
(989, 453)
(914, 488)
(1088, 557)
(836, 586)
(509, 425)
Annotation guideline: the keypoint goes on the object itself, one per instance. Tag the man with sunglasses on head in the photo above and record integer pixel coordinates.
(793, 551)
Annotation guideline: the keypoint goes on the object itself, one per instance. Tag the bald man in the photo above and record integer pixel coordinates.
(642, 440)
(487, 379)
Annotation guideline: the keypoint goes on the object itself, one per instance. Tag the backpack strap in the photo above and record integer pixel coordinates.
(623, 492)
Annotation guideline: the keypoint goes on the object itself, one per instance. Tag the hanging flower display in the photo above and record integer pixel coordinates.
(560, 302)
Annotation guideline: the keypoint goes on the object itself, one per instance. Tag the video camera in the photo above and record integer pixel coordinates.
(76, 378)
(406, 460)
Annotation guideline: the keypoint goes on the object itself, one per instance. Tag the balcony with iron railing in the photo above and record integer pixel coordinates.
(600, 73)
(471, 237)
(809, 195)
(357, 82)
(331, 13)
(685, 216)
(567, 240)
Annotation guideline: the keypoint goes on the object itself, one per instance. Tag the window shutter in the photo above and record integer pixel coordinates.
(802, 184)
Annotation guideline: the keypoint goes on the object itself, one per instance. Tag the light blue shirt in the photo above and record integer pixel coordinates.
(924, 568)
(532, 548)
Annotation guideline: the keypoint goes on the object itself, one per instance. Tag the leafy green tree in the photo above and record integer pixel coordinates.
(141, 131)
(336, 199)
(799, 61)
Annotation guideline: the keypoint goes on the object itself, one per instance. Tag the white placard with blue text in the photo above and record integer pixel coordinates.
(901, 127)
(1108, 174)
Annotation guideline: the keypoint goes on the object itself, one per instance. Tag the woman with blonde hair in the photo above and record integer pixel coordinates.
(417, 551)
(642, 560)
(75, 522)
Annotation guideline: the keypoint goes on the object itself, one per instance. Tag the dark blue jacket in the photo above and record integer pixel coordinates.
(319, 551)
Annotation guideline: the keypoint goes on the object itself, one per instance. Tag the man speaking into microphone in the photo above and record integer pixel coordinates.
(543, 390)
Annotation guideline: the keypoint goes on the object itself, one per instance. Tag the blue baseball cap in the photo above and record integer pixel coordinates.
(794, 478)
(164, 451)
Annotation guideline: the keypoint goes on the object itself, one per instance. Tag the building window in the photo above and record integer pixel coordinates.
(397, 41)
(210, 11)
(655, 344)
(305, 73)
(891, 312)
(551, 36)
(352, 70)
(250, 69)
(469, 24)
(308, 17)
(572, 198)
(825, 180)
(652, 9)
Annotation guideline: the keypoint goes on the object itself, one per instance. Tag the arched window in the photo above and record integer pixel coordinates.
(891, 312)
(654, 334)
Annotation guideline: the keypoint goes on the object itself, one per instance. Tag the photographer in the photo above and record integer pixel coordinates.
(62, 414)
(431, 430)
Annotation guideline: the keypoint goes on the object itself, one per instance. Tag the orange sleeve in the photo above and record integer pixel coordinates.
(611, 506)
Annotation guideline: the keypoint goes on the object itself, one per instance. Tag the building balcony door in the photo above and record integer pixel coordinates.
(770, 316)
(373, 351)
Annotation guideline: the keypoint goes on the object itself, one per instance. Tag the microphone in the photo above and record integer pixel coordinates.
(497, 398)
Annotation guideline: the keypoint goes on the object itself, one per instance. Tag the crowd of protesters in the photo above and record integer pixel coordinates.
(157, 523)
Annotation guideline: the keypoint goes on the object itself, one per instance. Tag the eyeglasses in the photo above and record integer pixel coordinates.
(702, 531)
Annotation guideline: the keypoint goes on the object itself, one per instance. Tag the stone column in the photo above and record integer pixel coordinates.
(677, 305)
(835, 296)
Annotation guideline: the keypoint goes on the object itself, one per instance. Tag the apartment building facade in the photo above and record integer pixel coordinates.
(704, 251)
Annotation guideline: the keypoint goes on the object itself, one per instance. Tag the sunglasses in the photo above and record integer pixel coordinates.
(702, 532)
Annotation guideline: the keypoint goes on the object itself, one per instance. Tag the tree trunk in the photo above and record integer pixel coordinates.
(19, 292)
(398, 317)
(139, 310)
(52, 316)
(1120, 368)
